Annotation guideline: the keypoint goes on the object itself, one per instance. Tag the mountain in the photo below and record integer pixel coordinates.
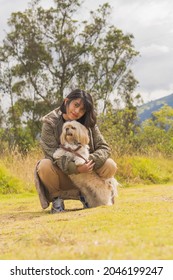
(145, 110)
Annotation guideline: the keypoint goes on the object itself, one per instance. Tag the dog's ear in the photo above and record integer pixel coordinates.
(82, 134)
(62, 138)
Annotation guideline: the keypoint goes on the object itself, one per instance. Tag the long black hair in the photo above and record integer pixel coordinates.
(89, 118)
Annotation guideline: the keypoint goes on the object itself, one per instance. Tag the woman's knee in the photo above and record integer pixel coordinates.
(44, 167)
(108, 169)
(111, 167)
(111, 164)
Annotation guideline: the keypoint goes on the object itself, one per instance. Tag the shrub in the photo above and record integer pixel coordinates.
(139, 169)
(9, 183)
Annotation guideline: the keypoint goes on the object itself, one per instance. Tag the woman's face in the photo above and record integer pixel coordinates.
(75, 110)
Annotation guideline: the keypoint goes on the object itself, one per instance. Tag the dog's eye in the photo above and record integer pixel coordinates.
(73, 127)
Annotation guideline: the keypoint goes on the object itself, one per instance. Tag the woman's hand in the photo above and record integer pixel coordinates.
(86, 168)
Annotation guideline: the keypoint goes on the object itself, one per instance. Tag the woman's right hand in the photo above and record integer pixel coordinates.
(86, 168)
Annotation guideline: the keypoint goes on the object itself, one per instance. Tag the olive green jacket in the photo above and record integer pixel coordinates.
(50, 141)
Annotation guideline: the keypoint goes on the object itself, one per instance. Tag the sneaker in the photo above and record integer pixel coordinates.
(57, 205)
(84, 202)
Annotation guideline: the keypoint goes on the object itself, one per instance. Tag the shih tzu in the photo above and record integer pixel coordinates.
(74, 144)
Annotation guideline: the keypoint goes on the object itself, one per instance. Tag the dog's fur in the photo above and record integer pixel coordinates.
(95, 190)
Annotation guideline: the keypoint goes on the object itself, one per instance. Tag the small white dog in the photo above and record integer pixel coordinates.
(74, 144)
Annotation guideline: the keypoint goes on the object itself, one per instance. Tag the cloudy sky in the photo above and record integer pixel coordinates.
(151, 23)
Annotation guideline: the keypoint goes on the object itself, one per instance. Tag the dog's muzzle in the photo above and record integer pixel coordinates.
(68, 132)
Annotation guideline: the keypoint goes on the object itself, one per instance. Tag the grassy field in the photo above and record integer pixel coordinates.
(139, 226)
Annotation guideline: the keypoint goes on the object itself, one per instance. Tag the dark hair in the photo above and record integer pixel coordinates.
(89, 118)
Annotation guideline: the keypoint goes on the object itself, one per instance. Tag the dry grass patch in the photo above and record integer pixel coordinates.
(22, 167)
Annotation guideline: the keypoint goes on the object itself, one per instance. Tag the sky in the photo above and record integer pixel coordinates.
(150, 22)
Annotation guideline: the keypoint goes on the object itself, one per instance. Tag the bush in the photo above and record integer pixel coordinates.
(139, 169)
(9, 183)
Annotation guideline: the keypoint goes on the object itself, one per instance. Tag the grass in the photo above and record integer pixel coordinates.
(21, 168)
(8, 182)
(145, 170)
(139, 226)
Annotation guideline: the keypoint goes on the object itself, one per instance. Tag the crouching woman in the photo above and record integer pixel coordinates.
(51, 179)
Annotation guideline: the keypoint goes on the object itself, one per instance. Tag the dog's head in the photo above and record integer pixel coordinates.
(74, 132)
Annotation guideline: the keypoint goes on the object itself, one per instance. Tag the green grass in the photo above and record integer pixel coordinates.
(145, 170)
(139, 226)
(8, 182)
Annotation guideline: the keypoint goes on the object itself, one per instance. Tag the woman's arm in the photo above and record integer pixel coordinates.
(48, 141)
(101, 151)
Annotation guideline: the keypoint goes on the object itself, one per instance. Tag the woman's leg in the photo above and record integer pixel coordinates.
(57, 184)
(108, 169)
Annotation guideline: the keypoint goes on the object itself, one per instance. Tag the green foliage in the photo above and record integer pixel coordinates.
(163, 118)
(17, 138)
(118, 128)
(8, 183)
(1, 116)
(145, 170)
(156, 134)
(145, 110)
(125, 136)
(48, 51)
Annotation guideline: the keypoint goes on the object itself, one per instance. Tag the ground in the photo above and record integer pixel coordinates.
(138, 226)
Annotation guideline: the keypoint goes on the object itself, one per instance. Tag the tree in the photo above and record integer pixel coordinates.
(48, 52)
(1, 116)
(156, 133)
(119, 125)
(1, 128)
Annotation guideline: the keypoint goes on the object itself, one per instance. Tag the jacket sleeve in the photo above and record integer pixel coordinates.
(101, 149)
(49, 144)
(48, 141)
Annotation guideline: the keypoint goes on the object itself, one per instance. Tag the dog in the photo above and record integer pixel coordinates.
(74, 144)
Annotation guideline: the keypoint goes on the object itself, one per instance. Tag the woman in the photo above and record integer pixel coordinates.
(52, 181)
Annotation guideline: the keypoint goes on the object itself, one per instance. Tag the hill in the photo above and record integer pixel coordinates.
(145, 111)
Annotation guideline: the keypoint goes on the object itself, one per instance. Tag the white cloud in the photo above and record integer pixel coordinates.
(154, 50)
(150, 22)
(154, 73)
(156, 94)
(152, 13)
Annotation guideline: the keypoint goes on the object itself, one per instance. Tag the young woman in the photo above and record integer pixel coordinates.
(52, 181)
